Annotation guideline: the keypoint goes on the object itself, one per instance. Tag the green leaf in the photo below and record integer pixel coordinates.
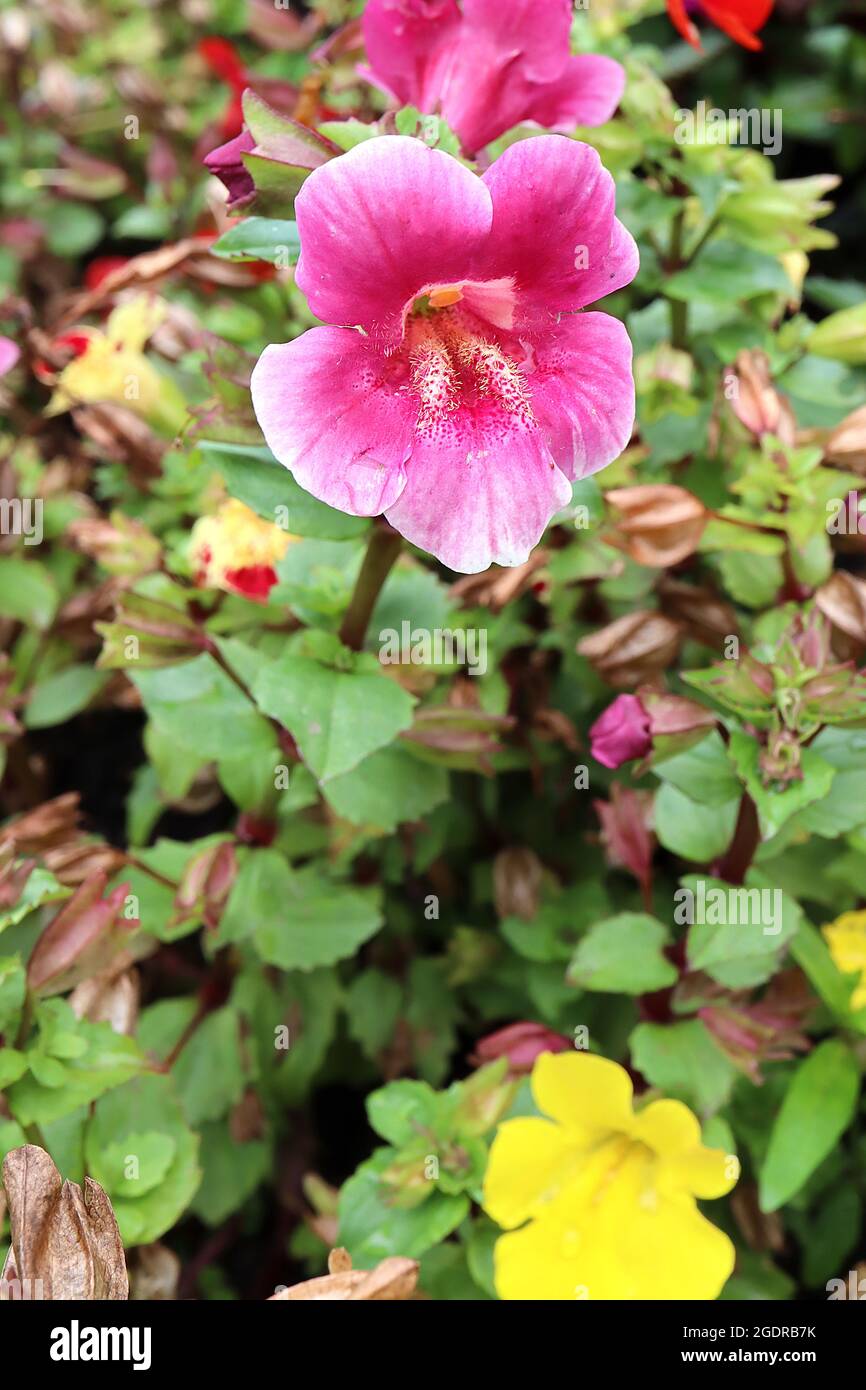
(736, 933)
(308, 920)
(253, 475)
(198, 705)
(149, 1106)
(348, 134)
(260, 239)
(404, 1112)
(432, 1013)
(725, 272)
(77, 231)
(208, 1074)
(336, 717)
(684, 1062)
(841, 336)
(812, 954)
(703, 772)
(388, 788)
(693, 830)
(371, 1227)
(818, 1107)
(843, 808)
(62, 695)
(41, 888)
(135, 1165)
(13, 1065)
(829, 1235)
(231, 1173)
(27, 592)
(292, 1023)
(373, 1004)
(13, 985)
(774, 805)
(108, 1060)
(623, 955)
(751, 579)
(561, 920)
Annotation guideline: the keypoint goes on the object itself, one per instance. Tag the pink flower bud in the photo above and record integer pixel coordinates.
(521, 1044)
(621, 733)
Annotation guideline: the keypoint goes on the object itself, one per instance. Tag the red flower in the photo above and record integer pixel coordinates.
(100, 268)
(739, 19)
(223, 60)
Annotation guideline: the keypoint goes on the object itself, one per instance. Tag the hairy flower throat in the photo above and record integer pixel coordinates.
(454, 363)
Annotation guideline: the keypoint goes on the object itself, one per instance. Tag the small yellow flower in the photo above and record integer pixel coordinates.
(607, 1193)
(846, 938)
(109, 367)
(237, 551)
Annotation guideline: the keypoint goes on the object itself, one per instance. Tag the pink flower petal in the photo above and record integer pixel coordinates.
(378, 222)
(554, 227)
(480, 489)
(410, 47)
(537, 30)
(333, 413)
(587, 92)
(582, 392)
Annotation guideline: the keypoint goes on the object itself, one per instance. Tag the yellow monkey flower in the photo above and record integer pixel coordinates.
(846, 938)
(598, 1200)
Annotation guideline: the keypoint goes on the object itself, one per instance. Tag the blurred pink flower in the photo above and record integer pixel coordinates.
(474, 393)
(489, 65)
(9, 355)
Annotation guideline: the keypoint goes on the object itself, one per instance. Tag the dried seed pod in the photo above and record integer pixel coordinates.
(656, 524)
(65, 1242)
(632, 648)
(517, 875)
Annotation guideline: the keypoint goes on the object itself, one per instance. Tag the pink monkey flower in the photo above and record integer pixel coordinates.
(473, 393)
(489, 65)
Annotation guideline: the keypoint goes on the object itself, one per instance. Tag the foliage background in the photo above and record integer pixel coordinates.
(316, 917)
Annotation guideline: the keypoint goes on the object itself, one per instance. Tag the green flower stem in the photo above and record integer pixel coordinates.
(679, 307)
(383, 548)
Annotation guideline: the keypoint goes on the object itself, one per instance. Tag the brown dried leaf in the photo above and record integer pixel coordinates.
(65, 1243)
(146, 269)
(394, 1279)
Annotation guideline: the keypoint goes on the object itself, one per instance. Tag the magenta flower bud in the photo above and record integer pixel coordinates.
(229, 167)
(621, 733)
(521, 1043)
